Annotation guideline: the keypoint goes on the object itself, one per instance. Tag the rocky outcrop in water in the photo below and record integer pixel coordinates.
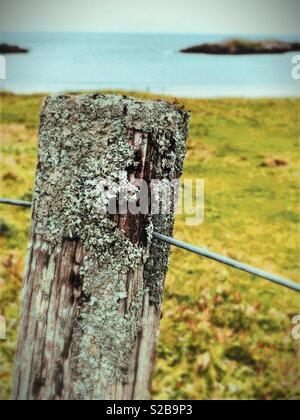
(11, 49)
(239, 47)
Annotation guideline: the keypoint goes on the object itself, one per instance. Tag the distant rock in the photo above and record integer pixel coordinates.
(239, 47)
(11, 49)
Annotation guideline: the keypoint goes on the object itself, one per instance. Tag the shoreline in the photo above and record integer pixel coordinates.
(236, 94)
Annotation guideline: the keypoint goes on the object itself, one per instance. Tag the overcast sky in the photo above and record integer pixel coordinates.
(208, 16)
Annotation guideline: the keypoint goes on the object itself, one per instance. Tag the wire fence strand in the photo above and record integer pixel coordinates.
(230, 262)
(15, 202)
(289, 284)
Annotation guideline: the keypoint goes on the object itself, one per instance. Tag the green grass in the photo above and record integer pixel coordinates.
(224, 334)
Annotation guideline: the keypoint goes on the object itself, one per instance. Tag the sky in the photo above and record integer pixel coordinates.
(184, 16)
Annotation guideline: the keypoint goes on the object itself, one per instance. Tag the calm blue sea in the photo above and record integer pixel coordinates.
(149, 62)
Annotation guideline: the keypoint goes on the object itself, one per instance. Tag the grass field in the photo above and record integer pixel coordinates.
(224, 334)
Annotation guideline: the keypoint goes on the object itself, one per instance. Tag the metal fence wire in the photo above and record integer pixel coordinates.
(199, 251)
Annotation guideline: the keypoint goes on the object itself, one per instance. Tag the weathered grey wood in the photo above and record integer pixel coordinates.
(93, 286)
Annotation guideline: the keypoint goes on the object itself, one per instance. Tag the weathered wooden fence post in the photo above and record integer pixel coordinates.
(94, 282)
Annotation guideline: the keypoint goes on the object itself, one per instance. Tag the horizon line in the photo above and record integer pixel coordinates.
(148, 33)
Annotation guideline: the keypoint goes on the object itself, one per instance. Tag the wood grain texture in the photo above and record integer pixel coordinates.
(93, 285)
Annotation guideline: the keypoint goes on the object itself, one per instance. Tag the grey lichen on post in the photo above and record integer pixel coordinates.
(117, 278)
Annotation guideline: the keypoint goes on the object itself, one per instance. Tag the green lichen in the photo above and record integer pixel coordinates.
(83, 140)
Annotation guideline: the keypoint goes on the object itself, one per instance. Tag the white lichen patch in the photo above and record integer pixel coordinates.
(84, 140)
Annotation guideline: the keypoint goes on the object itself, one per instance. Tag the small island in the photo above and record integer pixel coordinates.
(239, 47)
(11, 49)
